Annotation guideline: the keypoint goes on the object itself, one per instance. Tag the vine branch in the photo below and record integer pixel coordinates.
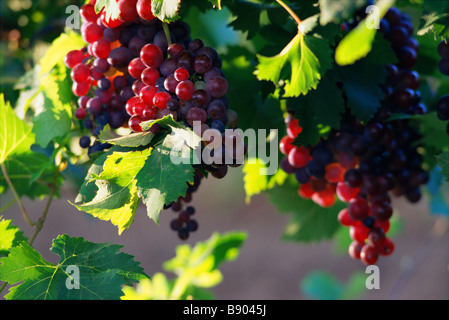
(291, 13)
(17, 197)
(167, 33)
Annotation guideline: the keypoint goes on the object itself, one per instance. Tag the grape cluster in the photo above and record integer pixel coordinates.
(363, 164)
(442, 106)
(135, 68)
(183, 224)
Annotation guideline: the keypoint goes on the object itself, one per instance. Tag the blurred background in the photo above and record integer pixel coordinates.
(267, 268)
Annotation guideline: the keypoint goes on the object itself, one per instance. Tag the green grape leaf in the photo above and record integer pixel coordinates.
(15, 134)
(320, 108)
(115, 188)
(256, 179)
(435, 19)
(138, 139)
(166, 10)
(338, 10)
(246, 17)
(59, 48)
(103, 270)
(304, 59)
(113, 203)
(359, 41)
(159, 175)
(53, 117)
(431, 127)
(309, 222)
(162, 181)
(132, 140)
(199, 265)
(361, 84)
(10, 236)
(30, 174)
(111, 7)
(156, 288)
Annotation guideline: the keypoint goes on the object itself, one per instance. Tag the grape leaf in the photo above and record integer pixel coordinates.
(15, 134)
(361, 84)
(113, 203)
(59, 48)
(306, 58)
(111, 7)
(53, 117)
(122, 177)
(166, 10)
(309, 222)
(102, 271)
(256, 179)
(161, 181)
(313, 111)
(30, 173)
(435, 19)
(116, 197)
(132, 140)
(199, 265)
(196, 268)
(338, 10)
(359, 41)
(10, 236)
(247, 17)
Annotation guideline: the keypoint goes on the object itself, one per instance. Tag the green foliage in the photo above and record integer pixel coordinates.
(165, 10)
(196, 268)
(306, 57)
(435, 19)
(308, 221)
(15, 133)
(358, 42)
(59, 48)
(102, 271)
(123, 175)
(10, 236)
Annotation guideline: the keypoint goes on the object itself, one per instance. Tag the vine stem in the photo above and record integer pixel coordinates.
(16, 195)
(40, 222)
(291, 13)
(167, 33)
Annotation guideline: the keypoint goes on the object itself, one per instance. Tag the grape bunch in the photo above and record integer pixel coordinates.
(364, 164)
(442, 106)
(136, 68)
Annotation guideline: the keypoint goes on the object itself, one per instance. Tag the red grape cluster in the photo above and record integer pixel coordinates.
(136, 69)
(442, 106)
(363, 163)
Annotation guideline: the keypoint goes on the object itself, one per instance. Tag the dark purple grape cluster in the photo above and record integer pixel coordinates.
(184, 224)
(442, 106)
(363, 164)
(135, 68)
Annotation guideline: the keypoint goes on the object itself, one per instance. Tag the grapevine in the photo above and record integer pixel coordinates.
(135, 69)
(363, 163)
